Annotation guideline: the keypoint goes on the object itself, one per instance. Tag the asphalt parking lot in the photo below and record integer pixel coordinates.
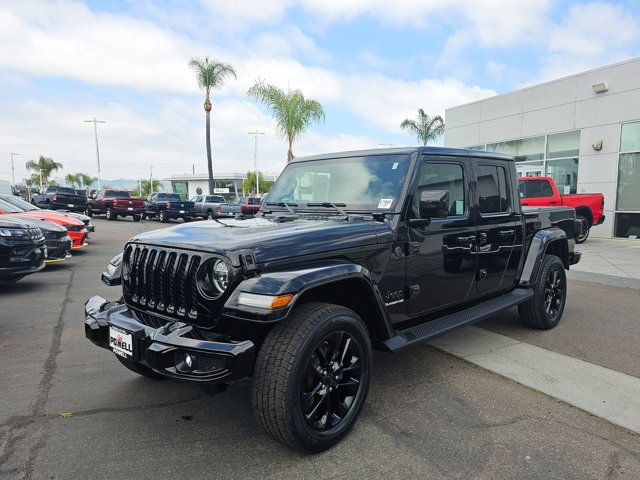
(69, 410)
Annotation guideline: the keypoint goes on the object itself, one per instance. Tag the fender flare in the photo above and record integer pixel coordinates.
(537, 249)
(299, 281)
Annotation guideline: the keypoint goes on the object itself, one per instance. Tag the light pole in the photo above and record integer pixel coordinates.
(95, 133)
(13, 171)
(255, 159)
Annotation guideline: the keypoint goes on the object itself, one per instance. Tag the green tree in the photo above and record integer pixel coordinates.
(249, 183)
(146, 191)
(44, 166)
(81, 180)
(210, 74)
(292, 112)
(424, 128)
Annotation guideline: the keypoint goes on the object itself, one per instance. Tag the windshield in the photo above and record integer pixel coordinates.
(370, 183)
(65, 190)
(18, 202)
(8, 208)
(116, 193)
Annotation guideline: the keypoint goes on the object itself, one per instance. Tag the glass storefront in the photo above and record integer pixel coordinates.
(627, 222)
(553, 156)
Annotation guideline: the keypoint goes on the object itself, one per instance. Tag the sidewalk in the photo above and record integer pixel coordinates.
(605, 256)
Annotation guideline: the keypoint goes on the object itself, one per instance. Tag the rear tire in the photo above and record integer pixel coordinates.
(162, 216)
(186, 219)
(89, 213)
(210, 215)
(111, 215)
(137, 217)
(312, 376)
(545, 309)
(140, 369)
(586, 228)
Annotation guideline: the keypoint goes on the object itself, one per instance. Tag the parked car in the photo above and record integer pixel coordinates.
(22, 249)
(542, 191)
(27, 207)
(209, 206)
(75, 228)
(60, 198)
(56, 238)
(114, 204)
(165, 206)
(411, 244)
(7, 189)
(241, 206)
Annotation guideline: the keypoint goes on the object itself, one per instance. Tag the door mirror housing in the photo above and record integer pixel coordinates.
(434, 203)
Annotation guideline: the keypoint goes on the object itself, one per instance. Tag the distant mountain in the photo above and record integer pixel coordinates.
(121, 183)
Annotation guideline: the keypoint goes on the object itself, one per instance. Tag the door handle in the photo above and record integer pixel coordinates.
(468, 238)
(506, 233)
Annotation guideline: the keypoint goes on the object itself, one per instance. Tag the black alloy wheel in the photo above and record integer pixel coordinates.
(544, 310)
(554, 292)
(331, 381)
(586, 227)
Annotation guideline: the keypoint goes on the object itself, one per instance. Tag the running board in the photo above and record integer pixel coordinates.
(440, 326)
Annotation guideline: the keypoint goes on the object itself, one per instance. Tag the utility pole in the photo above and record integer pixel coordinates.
(13, 171)
(41, 182)
(255, 159)
(95, 133)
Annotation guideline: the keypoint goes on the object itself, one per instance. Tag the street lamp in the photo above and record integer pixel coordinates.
(255, 159)
(95, 133)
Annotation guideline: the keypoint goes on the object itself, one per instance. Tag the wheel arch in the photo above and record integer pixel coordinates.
(549, 241)
(586, 213)
(340, 283)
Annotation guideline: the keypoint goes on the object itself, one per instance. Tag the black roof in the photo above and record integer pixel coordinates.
(448, 151)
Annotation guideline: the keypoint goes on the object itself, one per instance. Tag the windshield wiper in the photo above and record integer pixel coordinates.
(330, 204)
(284, 204)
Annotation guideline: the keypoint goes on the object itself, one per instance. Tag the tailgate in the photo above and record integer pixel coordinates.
(69, 199)
(186, 206)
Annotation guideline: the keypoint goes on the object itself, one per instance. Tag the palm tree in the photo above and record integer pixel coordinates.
(425, 128)
(43, 167)
(210, 74)
(72, 178)
(146, 191)
(292, 112)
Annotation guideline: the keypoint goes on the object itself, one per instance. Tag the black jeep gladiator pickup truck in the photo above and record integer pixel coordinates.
(351, 251)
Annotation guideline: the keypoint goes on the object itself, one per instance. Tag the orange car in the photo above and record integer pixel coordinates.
(75, 228)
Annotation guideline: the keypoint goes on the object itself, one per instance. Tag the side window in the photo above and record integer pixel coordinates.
(537, 188)
(442, 176)
(492, 189)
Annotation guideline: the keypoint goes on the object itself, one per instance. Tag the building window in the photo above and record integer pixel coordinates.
(182, 188)
(627, 217)
(565, 173)
(562, 145)
(630, 137)
(522, 150)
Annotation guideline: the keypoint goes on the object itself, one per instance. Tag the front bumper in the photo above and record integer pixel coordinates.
(574, 257)
(58, 248)
(165, 349)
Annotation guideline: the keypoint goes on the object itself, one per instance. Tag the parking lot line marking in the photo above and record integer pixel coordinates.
(600, 391)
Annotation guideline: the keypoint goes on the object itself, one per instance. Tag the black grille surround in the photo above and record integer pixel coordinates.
(161, 282)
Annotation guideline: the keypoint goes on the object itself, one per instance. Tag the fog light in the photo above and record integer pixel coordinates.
(188, 360)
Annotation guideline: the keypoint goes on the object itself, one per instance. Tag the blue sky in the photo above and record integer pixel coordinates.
(371, 63)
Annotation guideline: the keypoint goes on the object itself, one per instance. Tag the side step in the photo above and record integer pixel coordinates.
(440, 326)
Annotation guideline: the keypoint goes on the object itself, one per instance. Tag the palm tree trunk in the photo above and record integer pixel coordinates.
(289, 153)
(209, 159)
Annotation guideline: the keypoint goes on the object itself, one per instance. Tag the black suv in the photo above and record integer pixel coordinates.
(352, 251)
(22, 249)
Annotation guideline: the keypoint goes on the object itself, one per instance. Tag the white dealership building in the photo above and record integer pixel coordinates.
(582, 130)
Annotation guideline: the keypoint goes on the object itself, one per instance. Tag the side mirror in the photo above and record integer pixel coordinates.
(434, 203)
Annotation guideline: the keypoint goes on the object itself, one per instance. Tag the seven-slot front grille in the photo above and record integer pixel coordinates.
(162, 280)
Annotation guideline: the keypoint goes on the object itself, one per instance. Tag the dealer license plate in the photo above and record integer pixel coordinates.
(130, 208)
(120, 341)
(181, 211)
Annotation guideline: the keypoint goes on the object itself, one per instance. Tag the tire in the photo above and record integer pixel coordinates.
(89, 213)
(186, 219)
(137, 217)
(144, 216)
(290, 366)
(210, 215)
(545, 309)
(586, 228)
(110, 215)
(162, 217)
(140, 369)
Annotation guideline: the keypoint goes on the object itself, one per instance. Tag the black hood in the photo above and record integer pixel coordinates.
(268, 239)
(7, 221)
(43, 224)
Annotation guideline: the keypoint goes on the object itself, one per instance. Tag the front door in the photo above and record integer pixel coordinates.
(497, 224)
(441, 264)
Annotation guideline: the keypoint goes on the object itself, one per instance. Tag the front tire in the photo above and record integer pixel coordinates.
(544, 310)
(137, 217)
(312, 376)
(586, 228)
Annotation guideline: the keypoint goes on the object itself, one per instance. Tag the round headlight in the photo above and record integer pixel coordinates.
(213, 278)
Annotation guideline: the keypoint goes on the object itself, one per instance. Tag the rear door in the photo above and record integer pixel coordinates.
(497, 221)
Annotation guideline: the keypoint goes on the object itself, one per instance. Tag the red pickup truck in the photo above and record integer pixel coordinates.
(542, 192)
(114, 203)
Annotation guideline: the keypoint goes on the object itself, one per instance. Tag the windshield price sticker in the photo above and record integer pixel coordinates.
(385, 202)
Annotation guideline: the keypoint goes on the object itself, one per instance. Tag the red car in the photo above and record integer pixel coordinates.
(543, 192)
(75, 228)
(115, 203)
